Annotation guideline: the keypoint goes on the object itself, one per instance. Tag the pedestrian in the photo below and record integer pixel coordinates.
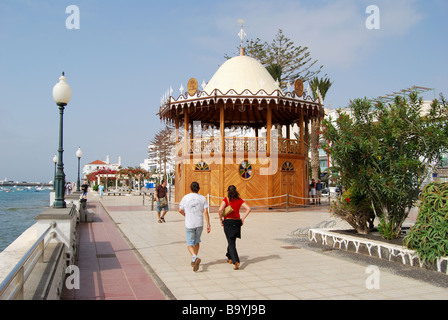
(338, 190)
(313, 190)
(101, 190)
(232, 223)
(162, 201)
(84, 188)
(68, 186)
(194, 208)
(318, 190)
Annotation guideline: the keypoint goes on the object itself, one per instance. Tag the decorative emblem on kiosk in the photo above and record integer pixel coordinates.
(192, 86)
(245, 170)
(298, 87)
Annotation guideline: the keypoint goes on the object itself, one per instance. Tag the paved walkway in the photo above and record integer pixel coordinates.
(108, 267)
(272, 267)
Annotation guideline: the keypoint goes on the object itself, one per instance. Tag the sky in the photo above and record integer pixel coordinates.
(125, 55)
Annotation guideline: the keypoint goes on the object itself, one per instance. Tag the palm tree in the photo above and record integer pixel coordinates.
(319, 88)
(321, 85)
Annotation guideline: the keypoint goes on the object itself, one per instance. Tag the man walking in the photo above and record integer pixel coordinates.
(193, 207)
(160, 195)
(318, 190)
(84, 188)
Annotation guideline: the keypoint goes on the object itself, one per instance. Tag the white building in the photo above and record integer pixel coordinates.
(153, 162)
(98, 164)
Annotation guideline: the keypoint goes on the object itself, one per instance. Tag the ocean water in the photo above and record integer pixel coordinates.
(18, 209)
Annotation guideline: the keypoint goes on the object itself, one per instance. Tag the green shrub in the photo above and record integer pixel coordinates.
(429, 235)
(355, 209)
(385, 150)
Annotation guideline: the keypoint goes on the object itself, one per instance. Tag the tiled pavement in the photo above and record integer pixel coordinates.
(272, 267)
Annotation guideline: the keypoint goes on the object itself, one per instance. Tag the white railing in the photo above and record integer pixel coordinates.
(12, 287)
(239, 145)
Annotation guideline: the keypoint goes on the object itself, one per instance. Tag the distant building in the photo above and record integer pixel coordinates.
(153, 163)
(98, 164)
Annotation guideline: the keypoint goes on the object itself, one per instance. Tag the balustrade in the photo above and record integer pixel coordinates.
(239, 145)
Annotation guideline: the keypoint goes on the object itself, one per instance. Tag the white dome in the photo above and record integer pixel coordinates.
(241, 73)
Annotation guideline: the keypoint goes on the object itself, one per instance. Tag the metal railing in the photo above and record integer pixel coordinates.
(12, 287)
(285, 201)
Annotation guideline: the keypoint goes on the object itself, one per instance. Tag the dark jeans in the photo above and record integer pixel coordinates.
(232, 230)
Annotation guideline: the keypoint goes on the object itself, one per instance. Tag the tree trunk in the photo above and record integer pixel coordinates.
(314, 147)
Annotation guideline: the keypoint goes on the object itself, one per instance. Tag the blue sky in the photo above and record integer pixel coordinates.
(126, 54)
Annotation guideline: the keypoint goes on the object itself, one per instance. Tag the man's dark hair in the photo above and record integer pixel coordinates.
(194, 187)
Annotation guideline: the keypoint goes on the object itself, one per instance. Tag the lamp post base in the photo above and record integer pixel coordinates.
(59, 187)
(59, 204)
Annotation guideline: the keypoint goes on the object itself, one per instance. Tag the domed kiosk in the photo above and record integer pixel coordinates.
(267, 168)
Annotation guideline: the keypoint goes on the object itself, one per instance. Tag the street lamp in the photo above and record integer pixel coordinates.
(61, 95)
(78, 155)
(55, 160)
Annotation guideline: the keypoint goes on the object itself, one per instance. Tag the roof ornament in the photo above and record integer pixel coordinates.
(242, 35)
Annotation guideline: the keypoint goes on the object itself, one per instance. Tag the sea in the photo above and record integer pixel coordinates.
(18, 208)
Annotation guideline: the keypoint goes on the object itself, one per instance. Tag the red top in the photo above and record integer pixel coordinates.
(236, 205)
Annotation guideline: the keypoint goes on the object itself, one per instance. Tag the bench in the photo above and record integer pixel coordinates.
(114, 193)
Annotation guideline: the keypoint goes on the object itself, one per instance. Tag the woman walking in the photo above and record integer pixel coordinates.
(232, 223)
(101, 190)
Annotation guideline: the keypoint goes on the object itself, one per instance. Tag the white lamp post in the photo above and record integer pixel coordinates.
(61, 95)
(78, 155)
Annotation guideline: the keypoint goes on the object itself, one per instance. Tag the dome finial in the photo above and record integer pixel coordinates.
(242, 35)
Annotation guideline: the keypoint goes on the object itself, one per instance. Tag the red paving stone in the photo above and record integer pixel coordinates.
(108, 268)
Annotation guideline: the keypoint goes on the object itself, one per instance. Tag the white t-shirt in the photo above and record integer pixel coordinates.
(193, 204)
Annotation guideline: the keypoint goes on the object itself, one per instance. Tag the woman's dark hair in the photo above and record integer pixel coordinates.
(194, 187)
(232, 194)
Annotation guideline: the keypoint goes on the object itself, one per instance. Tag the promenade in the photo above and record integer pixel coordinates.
(126, 254)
